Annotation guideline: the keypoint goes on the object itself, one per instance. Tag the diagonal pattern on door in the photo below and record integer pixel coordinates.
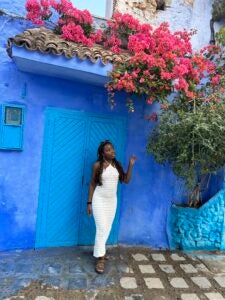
(60, 190)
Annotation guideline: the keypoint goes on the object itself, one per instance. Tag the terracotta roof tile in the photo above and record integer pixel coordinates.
(46, 41)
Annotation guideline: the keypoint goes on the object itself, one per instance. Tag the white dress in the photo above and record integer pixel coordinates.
(104, 203)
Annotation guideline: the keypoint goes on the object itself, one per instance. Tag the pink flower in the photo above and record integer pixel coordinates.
(190, 94)
(182, 85)
(150, 100)
(216, 79)
(166, 75)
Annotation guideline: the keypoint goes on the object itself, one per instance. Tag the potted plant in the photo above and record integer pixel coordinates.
(190, 136)
(191, 139)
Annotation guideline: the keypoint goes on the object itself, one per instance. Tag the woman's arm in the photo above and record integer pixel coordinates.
(92, 187)
(127, 175)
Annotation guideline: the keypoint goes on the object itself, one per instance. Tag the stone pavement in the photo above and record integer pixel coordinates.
(132, 273)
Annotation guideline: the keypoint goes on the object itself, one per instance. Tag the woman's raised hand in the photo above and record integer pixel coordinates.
(133, 159)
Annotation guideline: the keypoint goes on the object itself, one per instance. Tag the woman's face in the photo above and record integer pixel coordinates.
(109, 151)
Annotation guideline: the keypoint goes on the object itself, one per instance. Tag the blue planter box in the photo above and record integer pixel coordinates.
(198, 229)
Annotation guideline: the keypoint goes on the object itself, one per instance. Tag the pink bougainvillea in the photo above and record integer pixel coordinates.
(35, 13)
(74, 24)
(159, 61)
(120, 29)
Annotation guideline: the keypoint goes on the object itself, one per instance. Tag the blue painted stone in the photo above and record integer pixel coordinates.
(53, 281)
(201, 244)
(77, 268)
(21, 283)
(24, 268)
(202, 229)
(52, 269)
(7, 268)
(78, 282)
(101, 281)
(5, 293)
(220, 219)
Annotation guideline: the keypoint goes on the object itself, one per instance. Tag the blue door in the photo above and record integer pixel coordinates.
(69, 151)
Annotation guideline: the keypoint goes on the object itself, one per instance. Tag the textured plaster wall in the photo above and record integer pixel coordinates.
(203, 228)
(146, 200)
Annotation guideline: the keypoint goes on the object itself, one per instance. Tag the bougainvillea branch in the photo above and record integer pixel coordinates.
(161, 62)
(74, 24)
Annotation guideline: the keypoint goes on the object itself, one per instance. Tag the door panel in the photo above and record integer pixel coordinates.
(61, 181)
(100, 129)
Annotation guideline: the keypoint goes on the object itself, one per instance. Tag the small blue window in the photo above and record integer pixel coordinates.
(12, 119)
(13, 115)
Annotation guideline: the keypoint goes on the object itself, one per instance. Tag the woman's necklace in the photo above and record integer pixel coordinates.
(109, 163)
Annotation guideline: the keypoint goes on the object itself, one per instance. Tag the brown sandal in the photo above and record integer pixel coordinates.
(100, 265)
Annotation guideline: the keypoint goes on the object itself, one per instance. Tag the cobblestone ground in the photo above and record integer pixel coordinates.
(131, 274)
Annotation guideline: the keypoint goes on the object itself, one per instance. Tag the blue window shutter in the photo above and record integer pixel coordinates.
(12, 127)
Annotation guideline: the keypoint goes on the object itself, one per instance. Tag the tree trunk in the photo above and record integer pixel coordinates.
(212, 38)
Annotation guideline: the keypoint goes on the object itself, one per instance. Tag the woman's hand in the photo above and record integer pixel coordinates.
(132, 160)
(89, 209)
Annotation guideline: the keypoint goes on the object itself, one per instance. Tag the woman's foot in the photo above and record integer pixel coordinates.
(100, 265)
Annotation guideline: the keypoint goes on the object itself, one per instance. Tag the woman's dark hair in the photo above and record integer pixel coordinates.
(100, 152)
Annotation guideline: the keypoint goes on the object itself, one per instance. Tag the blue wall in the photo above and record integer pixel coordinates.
(146, 200)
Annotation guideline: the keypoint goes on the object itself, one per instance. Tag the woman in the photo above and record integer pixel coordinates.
(102, 199)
